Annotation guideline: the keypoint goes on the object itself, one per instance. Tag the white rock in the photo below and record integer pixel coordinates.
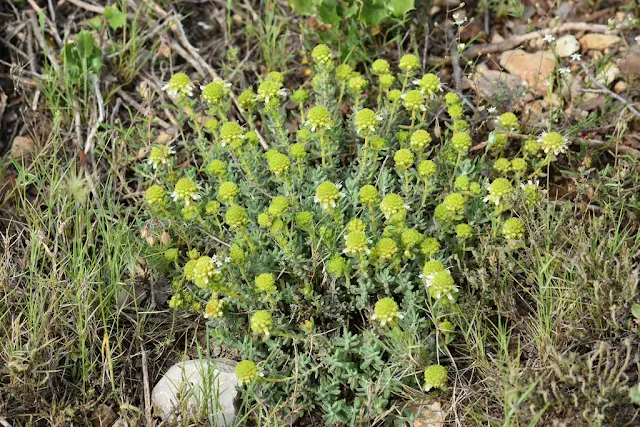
(566, 46)
(195, 385)
(595, 41)
(608, 74)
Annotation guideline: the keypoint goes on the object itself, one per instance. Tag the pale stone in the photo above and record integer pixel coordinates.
(196, 384)
(595, 41)
(566, 46)
(608, 74)
(495, 84)
(620, 87)
(21, 147)
(532, 68)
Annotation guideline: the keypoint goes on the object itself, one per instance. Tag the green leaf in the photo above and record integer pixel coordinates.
(302, 7)
(400, 7)
(115, 17)
(85, 44)
(372, 13)
(635, 310)
(328, 12)
(96, 23)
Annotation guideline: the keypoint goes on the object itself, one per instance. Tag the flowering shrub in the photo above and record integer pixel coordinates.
(326, 255)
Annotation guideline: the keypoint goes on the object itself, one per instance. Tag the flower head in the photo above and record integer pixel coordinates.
(420, 139)
(429, 85)
(236, 254)
(246, 371)
(213, 309)
(300, 96)
(212, 207)
(414, 101)
(160, 155)
(186, 190)
(441, 285)
(231, 131)
(463, 231)
(508, 121)
(366, 121)
(393, 207)
(531, 147)
(386, 249)
(343, 72)
(548, 38)
(337, 265)
(403, 159)
(368, 195)
(266, 283)
(236, 217)
(327, 195)
(455, 111)
(204, 270)
(409, 63)
(247, 99)
(386, 311)
(217, 168)
(502, 166)
(227, 192)
(155, 196)
(279, 164)
(435, 376)
(519, 165)
(357, 83)
(380, 67)
(499, 189)
(261, 323)
(429, 247)
(270, 91)
(386, 80)
(319, 118)
(356, 243)
(279, 204)
(321, 55)
(394, 95)
(451, 98)
(179, 85)
(461, 142)
(513, 229)
(576, 56)
(214, 92)
(553, 142)
(427, 168)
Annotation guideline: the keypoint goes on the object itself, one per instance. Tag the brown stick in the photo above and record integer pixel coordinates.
(516, 41)
(610, 92)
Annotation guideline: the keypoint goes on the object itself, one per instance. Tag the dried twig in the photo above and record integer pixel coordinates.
(129, 100)
(88, 145)
(516, 41)
(43, 44)
(86, 6)
(617, 148)
(608, 91)
(146, 386)
(455, 61)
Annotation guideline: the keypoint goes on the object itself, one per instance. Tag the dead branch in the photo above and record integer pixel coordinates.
(516, 41)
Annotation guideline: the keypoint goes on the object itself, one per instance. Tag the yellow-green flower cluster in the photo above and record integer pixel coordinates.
(246, 371)
(441, 285)
(429, 85)
(513, 229)
(261, 323)
(435, 376)
(160, 155)
(155, 196)
(393, 208)
(179, 85)
(266, 283)
(215, 92)
(186, 190)
(327, 195)
(319, 118)
(356, 243)
(366, 121)
(419, 140)
(213, 309)
(386, 312)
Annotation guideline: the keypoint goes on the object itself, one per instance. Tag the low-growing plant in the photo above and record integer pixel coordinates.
(324, 240)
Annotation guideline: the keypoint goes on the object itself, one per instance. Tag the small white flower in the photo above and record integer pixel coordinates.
(548, 38)
(565, 70)
(547, 83)
(461, 46)
(576, 57)
(491, 109)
